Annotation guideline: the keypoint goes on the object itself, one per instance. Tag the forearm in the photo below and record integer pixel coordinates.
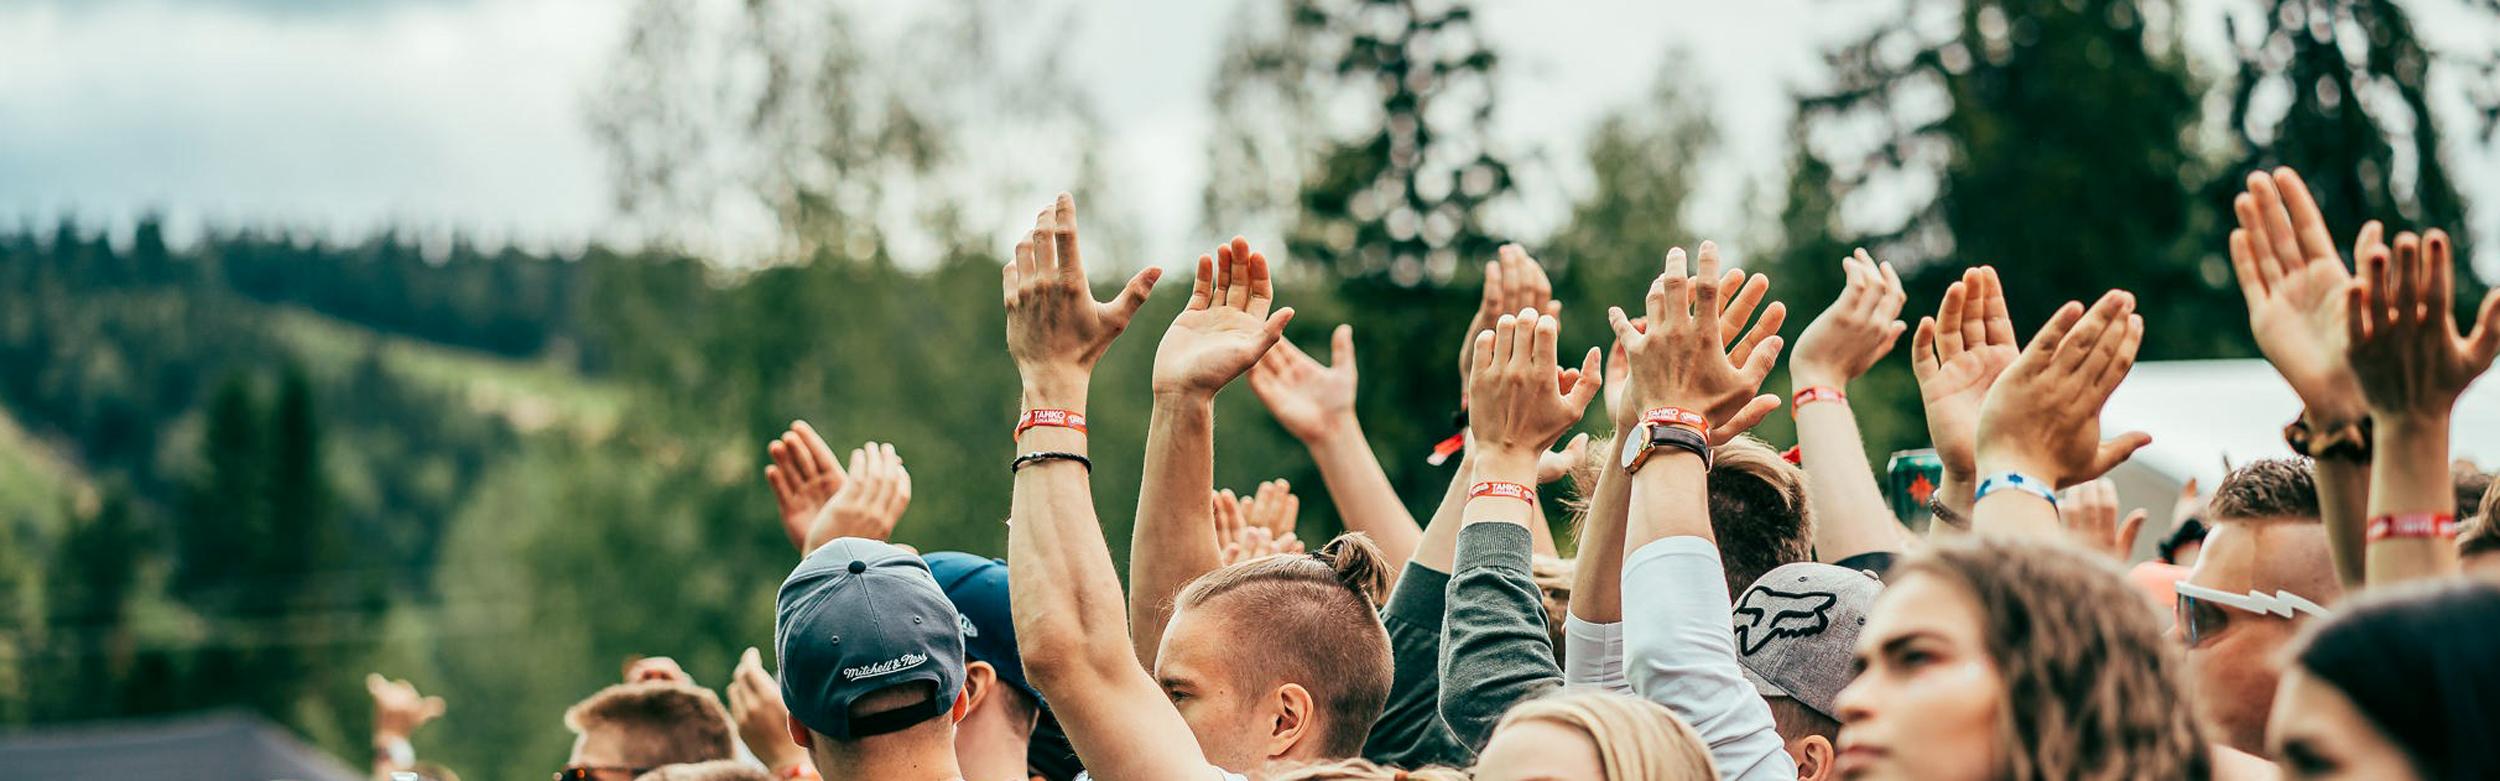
(2409, 474)
(1438, 549)
(1066, 595)
(2344, 505)
(1361, 490)
(1954, 492)
(1174, 539)
(1498, 652)
(1597, 580)
(1850, 514)
(1670, 498)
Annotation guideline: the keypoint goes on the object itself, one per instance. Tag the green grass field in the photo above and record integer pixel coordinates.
(532, 396)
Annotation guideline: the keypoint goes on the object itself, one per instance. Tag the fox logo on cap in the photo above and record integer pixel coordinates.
(1765, 615)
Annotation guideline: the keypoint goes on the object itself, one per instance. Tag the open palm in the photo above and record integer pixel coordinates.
(1957, 356)
(1305, 396)
(1226, 327)
(2294, 284)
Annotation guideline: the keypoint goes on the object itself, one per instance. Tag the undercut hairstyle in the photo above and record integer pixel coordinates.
(716, 770)
(2091, 687)
(2416, 660)
(1637, 740)
(1758, 511)
(1316, 628)
(1794, 720)
(2268, 489)
(663, 723)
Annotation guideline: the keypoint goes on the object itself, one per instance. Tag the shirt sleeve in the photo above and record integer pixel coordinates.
(1593, 655)
(1495, 652)
(1409, 732)
(1679, 652)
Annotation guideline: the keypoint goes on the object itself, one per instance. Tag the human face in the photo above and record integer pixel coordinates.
(2232, 672)
(1539, 750)
(1198, 669)
(600, 754)
(1927, 699)
(2317, 735)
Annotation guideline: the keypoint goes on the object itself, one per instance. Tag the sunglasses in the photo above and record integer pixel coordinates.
(2201, 616)
(593, 772)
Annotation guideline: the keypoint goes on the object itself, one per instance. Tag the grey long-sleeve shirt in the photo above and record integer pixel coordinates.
(1495, 651)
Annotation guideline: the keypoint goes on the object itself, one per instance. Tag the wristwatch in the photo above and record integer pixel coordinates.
(1650, 435)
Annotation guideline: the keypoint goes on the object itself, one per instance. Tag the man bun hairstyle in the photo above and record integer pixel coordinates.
(1359, 565)
(1317, 627)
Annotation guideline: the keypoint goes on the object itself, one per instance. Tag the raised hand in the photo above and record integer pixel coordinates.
(803, 476)
(2043, 417)
(1856, 331)
(398, 710)
(869, 504)
(755, 706)
(656, 669)
(1308, 399)
(1519, 401)
(1957, 356)
(1056, 331)
(1274, 508)
(1676, 360)
(2404, 345)
(1513, 282)
(1227, 326)
(2289, 274)
(2089, 512)
(1743, 295)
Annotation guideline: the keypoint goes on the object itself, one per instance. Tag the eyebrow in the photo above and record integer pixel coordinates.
(1896, 643)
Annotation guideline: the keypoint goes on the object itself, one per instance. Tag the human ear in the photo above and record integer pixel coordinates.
(1814, 755)
(1294, 715)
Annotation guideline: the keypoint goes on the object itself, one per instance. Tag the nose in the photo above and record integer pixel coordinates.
(1856, 702)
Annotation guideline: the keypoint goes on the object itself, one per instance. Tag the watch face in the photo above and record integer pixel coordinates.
(1635, 442)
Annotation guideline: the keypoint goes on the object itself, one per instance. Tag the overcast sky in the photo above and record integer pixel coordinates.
(467, 115)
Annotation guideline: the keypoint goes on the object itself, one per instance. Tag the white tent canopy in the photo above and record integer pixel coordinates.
(2203, 412)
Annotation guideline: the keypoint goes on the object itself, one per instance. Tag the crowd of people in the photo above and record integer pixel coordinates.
(1728, 611)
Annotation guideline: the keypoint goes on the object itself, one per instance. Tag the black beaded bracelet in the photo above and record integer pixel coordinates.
(1039, 456)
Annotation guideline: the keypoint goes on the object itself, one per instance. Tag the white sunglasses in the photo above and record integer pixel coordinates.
(2196, 624)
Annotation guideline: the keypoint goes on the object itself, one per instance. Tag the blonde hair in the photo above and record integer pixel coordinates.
(1316, 627)
(1552, 575)
(2091, 687)
(1637, 740)
(1360, 770)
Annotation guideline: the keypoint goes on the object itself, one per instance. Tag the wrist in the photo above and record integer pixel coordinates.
(1505, 464)
(2402, 425)
(1803, 377)
(1056, 390)
(1175, 394)
(1330, 429)
(2018, 463)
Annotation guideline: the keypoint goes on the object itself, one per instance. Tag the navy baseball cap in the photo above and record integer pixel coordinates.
(978, 587)
(859, 616)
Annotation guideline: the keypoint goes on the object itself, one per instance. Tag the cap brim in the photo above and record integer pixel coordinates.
(1762, 685)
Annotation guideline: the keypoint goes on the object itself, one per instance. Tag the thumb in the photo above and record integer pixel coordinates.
(1275, 328)
(1591, 372)
(1341, 348)
(433, 706)
(1133, 295)
(2127, 531)
(2116, 451)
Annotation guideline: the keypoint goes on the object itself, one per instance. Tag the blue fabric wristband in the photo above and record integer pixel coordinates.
(2015, 481)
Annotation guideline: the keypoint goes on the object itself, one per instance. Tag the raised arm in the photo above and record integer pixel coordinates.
(1850, 514)
(820, 500)
(1222, 333)
(397, 713)
(1957, 356)
(1071, 632)
(1498, 652)
(2040, 427)
(1678, 651)
(2413, 364)
(1315, 404)
(1593, 629)
(2294, 284)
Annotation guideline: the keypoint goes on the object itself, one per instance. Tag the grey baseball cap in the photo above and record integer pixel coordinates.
(1796, 627)
(859, 616)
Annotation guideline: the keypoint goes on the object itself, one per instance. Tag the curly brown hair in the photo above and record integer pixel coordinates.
(2091, 689)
